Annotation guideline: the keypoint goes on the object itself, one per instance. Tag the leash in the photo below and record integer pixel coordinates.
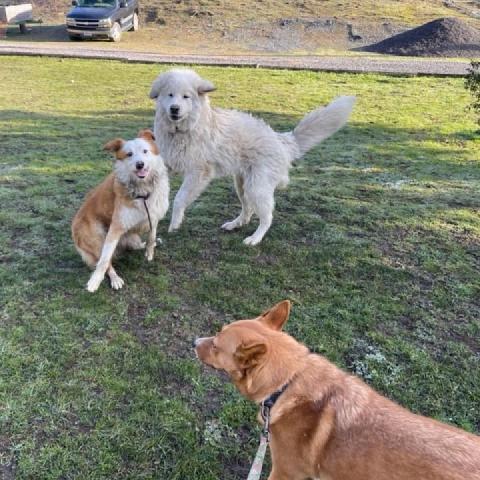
(145, 198)
(265, 411)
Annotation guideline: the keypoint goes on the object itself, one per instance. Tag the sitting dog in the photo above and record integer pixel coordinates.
(129, 202)
(326, 424)
(204, 143)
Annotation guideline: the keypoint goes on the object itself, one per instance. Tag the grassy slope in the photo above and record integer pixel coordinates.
(376, 241)
(234, 12)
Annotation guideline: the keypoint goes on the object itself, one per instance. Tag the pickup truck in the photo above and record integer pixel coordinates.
(102, 18)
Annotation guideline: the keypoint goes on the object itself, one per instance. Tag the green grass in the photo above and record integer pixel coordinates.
(376, 241)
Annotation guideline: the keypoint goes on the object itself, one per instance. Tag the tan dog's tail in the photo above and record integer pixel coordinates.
(322, 122)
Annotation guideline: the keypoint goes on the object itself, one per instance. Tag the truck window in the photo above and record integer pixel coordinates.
(97, 3)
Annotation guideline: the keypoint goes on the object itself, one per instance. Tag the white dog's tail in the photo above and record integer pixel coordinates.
(322, 122)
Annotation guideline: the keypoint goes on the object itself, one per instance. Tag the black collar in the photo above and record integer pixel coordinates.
(266, 407)
(271, 400)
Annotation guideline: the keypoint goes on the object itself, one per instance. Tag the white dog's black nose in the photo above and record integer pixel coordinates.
(139, 165)
(174, 109)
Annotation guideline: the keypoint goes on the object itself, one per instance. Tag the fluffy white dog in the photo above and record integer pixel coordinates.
(203, 143)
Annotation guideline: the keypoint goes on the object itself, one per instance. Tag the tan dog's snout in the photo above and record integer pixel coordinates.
(202, 347)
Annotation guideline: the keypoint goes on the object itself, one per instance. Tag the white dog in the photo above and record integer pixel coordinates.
(203, 143)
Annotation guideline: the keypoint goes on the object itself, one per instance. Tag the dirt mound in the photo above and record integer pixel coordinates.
(445, 37)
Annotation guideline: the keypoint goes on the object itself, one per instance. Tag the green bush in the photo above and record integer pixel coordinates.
(472, 83)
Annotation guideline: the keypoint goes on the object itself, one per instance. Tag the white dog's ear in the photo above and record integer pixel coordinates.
(155, 90)
(205, 86)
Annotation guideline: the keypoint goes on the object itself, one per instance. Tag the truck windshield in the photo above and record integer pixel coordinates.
(97, 3)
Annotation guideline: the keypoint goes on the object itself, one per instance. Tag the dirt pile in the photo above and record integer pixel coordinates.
(445, 37)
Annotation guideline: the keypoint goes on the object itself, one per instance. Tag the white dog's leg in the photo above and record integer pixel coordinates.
(193, 185)
(247, 210)
(263, 204)
(111, 242)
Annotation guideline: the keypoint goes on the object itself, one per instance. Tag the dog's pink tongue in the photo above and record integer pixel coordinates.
(142, 172)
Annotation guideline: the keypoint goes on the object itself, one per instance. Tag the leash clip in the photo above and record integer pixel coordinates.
(265, 412)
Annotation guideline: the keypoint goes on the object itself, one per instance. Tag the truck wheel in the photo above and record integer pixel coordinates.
(75, 38)
(135, 23)
(116, 33)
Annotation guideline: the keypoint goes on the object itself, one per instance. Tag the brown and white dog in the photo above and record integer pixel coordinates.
(117, 211)
(328, 424)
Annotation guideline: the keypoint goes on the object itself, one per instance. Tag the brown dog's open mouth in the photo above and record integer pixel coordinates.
(142, 173)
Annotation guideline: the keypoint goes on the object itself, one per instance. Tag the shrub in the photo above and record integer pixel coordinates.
(472, 83)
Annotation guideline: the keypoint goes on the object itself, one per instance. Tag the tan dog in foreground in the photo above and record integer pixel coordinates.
(117, 211)
(327, 424)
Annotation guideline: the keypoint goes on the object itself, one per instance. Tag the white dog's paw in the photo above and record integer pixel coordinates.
(252, 240)
(94, 283)
(117, 282)
(231, 225)
(159, 241)
(173, 227)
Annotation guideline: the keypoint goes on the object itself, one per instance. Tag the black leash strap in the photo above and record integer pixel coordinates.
(145, 198)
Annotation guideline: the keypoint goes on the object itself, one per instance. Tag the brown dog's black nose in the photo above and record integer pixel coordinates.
(139, 165)
(194, 342)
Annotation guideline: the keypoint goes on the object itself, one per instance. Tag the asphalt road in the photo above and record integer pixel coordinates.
(358, 64)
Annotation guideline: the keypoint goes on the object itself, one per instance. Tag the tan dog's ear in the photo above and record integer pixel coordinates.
(248, 356)
(205, 86)
(276, 317)
(147, 134)
(114, 145)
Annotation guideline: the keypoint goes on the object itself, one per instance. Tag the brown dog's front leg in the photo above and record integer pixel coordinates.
(151, 242)
(108, 249)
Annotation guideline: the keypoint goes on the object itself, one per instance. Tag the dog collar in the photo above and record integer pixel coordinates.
(266, 407)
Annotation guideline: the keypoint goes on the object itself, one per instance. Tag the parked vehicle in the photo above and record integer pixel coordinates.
(102, 18)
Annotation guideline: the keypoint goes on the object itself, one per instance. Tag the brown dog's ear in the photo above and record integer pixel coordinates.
(147, 134)
(249, 355)
(114, 145)
(205, 86)
(276, 317)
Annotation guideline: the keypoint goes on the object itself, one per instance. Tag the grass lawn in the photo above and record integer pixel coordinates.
(376, 241)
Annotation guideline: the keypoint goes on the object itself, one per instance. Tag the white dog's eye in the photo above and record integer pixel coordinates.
(186, 96)
(145, 151)
(129, 154)
(170, 94)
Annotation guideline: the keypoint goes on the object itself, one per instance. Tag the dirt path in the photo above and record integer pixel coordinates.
(394, 66)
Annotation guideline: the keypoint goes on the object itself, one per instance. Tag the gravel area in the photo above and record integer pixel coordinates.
(407, 66)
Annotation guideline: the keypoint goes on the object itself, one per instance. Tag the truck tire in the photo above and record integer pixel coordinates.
(75, 38)
(116, 33)
(135, 23)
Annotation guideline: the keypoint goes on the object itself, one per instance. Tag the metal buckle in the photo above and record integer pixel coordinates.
(265, 412)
